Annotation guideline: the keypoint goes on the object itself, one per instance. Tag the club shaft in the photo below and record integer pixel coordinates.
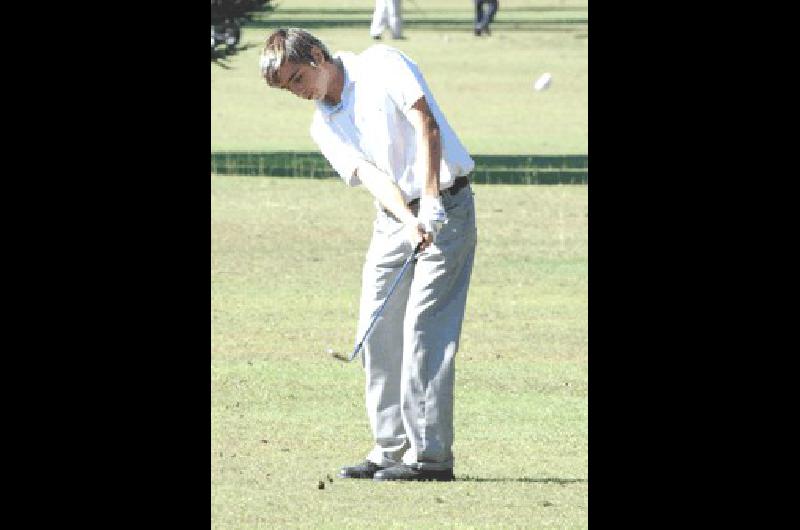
(378, 313)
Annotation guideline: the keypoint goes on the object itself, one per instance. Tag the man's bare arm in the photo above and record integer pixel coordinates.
(429, 144)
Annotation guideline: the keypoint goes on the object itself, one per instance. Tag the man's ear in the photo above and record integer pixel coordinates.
(319, 57)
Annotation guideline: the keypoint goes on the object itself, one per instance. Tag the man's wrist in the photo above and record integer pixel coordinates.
(430, 201)
(408, 218)
(430, 208)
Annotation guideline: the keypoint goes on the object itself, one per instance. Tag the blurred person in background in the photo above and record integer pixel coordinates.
(484, 15)
(378, 125)
(386, 14)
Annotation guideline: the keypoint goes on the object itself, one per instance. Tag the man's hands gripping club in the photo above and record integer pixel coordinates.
(422, 229)
(431, 215)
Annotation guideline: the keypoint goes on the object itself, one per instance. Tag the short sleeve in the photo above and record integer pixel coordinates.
(342, 156)
(404, 79)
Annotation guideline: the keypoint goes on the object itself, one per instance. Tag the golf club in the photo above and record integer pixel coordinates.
(409, 260)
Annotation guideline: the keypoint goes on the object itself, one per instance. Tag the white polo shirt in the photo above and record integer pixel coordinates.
(380, 86)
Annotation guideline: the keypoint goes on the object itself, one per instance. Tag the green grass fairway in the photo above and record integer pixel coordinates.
(285, 270)
(483, 85)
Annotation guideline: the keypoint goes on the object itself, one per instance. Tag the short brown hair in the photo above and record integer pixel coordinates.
(292, 44)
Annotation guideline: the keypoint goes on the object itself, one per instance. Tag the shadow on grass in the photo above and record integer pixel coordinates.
(543, 480)
(217, 60)
(222, 54)
(418, 9)
(489, 169)
(527, 25)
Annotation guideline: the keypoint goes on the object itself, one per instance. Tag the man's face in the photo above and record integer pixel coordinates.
(303, 80)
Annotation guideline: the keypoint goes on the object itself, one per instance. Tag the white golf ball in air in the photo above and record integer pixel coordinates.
(543, 82)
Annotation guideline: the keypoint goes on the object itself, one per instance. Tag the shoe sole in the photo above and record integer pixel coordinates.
(414, 479)
(365, 477)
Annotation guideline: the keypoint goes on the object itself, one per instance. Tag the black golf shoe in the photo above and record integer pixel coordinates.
(404, 472)
(366, 469)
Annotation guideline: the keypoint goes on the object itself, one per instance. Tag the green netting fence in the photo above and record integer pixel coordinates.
(489, 169)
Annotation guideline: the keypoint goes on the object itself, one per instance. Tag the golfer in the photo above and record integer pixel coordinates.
(379, 126)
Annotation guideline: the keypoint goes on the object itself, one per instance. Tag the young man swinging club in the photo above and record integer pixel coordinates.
(379, 126)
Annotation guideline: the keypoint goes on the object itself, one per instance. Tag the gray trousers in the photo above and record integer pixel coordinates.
(409, 359)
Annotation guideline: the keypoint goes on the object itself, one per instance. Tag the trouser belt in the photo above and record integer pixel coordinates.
(458, 184)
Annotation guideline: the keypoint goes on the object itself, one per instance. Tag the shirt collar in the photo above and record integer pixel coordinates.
(349, 66)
